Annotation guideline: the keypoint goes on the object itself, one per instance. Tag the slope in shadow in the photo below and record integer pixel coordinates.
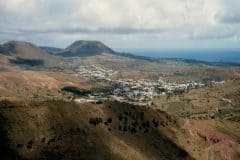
(62, 130)
(27, 62)
(139, 127)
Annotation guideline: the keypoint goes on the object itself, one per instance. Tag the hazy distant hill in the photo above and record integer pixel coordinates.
(51, 50)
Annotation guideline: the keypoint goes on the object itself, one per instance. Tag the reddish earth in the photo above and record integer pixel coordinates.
(29, 79)
(216, 141)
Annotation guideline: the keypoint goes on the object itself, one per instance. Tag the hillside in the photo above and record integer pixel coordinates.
(25, 53)
(62, 130)
(22, 49)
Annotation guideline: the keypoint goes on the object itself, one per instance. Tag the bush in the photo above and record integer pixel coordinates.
(109, 120)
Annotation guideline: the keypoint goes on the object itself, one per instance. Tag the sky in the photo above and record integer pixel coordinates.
(123, 23)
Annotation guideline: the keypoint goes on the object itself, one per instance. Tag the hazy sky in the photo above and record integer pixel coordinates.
(123, 23)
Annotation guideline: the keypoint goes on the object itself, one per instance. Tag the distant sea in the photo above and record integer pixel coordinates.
(210, 55)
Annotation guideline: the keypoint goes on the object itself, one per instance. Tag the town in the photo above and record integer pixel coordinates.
(139, 92)
(94, 71)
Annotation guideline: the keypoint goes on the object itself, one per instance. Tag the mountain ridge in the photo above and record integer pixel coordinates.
(82, 48)
(75, 50)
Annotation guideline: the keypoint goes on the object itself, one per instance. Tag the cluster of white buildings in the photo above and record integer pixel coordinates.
(139, 92)
(94, 71)
(144, 91)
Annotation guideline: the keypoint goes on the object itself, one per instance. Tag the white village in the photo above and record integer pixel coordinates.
(139, 92)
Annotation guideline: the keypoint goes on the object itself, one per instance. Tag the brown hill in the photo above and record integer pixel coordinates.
(25, 53)
(85, 48)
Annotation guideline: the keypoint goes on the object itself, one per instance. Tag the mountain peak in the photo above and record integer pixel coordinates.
(86, 48)
(15, 43)
(86, 41)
